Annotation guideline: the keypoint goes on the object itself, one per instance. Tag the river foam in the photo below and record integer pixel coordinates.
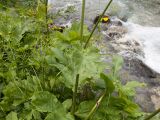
(149, 37)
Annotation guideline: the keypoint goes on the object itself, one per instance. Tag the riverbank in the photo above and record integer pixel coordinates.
(134, 68)
(126, 41)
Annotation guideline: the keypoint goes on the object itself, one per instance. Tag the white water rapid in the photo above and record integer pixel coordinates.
(149, 38)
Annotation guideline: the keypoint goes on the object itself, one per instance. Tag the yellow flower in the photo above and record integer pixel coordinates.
(105, 19)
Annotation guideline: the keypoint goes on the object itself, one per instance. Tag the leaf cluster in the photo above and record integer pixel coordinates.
(38, 70)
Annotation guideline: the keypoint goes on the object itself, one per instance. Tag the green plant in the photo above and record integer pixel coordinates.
(153, 114)
(110, 104)
(48, 75)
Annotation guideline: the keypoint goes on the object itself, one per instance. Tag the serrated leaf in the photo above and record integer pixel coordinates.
(44, 101)
(67, 74)
(77, 61)
(36, 115)
(59, 55)
(59, 115)
(12, 116)
(91, 65)
(26, 115)
(129, 88)
(117, 64)
(123, 104)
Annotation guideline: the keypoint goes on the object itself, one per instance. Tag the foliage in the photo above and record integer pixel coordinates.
(38, 71)
(18, 3)
(116, 105)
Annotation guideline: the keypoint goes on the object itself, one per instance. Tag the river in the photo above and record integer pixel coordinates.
(142, 22)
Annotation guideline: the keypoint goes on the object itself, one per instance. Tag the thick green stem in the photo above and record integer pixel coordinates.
(82, 19)
(75, 95)
(153, 114)
(85, 46)
(95, 106)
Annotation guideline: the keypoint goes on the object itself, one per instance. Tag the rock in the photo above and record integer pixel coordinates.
(124, 19)
(143, 99)
(138, 68)
(117, 29)
(147, 97)
(116, 23)
(115, 32)
(155, 97)
(151, 73)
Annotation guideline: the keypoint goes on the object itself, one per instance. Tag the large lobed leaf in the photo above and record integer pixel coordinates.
(45, 101)
(75, 61)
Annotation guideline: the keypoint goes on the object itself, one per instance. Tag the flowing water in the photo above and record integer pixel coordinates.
(143, 22)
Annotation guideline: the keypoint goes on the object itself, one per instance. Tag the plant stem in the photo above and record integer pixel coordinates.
(153, 114)
(46, 6)
(77, 76)
(95, 106)
(75, 95)
(85, 46)
(82, 19)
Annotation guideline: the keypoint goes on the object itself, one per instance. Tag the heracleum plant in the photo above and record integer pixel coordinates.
(58, 76)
